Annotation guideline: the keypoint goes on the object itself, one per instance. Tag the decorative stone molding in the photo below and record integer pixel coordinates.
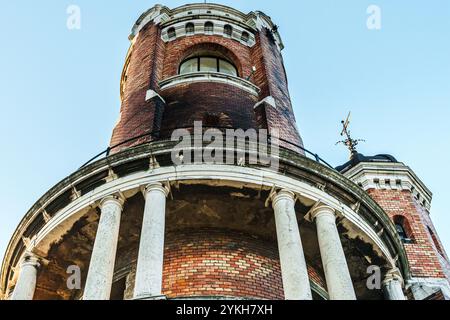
(157, 14)
(390, 176)
(394, 274)
(320, 208)
(157, 186)
(209, 77)
(150, 94)
(218, 30)
(422, 288)
(269, 100)
(116, 198)
(199, 13)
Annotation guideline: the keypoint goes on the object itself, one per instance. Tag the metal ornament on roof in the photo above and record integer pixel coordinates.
(349, 141)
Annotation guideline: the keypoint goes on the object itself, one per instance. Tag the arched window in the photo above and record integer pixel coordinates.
(228, 30)
(207, 64)
(245, 36)
(171, 33)
(435, 241)
(190, 28)
(209, 27)
(403, 230)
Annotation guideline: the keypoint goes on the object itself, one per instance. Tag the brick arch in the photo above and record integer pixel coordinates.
(211, 49)
(180, 49)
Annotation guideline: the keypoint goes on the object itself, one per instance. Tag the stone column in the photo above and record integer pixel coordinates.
(101, 268)
(26, 283)
(293, 265)
(148, 283)
(392, 285)
(337, 275)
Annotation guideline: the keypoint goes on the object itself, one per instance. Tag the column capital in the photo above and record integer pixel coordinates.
(31, 259)
(156, 186)
(393, 275)
(318, 209)
(117, 198)
(283, 194)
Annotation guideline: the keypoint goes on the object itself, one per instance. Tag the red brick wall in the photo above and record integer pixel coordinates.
(215, 262)
(272, 79)
(138, 116)
(177, 50)
(422, 254)
(232, 106)
(218, 263)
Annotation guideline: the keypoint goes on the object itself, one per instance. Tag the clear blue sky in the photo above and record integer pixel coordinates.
(59, 89)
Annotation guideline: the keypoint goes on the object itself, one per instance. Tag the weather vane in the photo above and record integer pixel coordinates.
(349, 142)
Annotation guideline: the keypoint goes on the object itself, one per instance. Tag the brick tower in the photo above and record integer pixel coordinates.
(240, 81)
(407, 201)
(138, 223)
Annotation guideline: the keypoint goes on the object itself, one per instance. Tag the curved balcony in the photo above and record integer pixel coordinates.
(209, 77)
(55, 214)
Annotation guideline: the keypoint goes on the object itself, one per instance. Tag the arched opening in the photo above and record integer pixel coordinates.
(228, 30)
(403, 229)
(190, 28)
(245, 36)
(171, 33)
(210, 49)
(209, 27)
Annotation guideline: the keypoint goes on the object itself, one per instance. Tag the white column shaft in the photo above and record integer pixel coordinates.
(149, 271)
(339, 282)
(26, 283)
(393, 290)
(101, 267)
(293, 265)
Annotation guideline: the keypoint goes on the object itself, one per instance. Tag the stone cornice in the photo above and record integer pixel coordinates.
(255, 20)
(390, 176)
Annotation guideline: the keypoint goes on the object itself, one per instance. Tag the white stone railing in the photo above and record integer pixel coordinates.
(209, 77)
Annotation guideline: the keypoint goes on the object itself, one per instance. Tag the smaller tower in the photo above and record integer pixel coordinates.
(406, 199)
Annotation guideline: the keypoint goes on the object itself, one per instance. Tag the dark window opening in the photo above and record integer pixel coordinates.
(171, 33)
(190, 28)
(403, 229)
(209, 27)
(207, 64)
(228, 30)
(118, 289)
(245, 36)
